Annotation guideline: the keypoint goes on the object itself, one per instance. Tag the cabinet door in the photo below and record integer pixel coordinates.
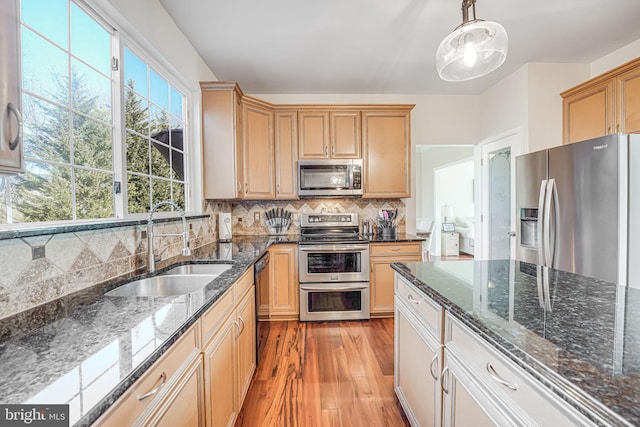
(588, 113)
(285, 292)
(246, 312)
(221, 142)
(11, 147)
(258, 152)
(185, 405)
(381, 283)
(313, 134)
(346, 138)
(628, 94)
(219, 368)
(386, 153)
(416, 355)
(286, 146)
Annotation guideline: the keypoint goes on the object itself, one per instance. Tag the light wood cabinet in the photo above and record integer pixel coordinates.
(284, 291)
(386, 152)
(313, 136)
(258, 150)
(154, 393)
(329, 134)
(230, 353)
(606, 104)
(382, 255)
(286, 154)
(222, 157)
(11, 143)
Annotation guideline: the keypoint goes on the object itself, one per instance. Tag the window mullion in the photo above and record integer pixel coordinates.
(119, 133)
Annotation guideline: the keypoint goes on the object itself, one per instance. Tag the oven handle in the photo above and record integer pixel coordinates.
(334, 248)
(332, 288)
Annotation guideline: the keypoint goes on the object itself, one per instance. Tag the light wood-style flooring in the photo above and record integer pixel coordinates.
(323, 374)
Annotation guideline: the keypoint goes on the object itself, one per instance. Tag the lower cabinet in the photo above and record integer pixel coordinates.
(381, 278)
(446, 375)
(230, 356)
(279, 298)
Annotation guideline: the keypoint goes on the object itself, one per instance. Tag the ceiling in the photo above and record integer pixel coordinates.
(387, 46)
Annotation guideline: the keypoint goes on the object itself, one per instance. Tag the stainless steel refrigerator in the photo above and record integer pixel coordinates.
(578, 208)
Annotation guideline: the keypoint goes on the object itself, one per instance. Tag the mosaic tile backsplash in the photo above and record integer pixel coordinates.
(78, 260)
(243, 213)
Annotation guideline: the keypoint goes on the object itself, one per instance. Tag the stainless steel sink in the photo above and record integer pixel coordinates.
(206, 269)
(162, 286)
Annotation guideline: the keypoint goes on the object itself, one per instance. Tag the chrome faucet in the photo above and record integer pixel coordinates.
(186, 251)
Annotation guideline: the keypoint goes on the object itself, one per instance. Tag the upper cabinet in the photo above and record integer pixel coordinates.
(286, 154)
(329, 134)
(386, 152)
(11, 147)
(257, 149)
(222, 159)
(606, 104)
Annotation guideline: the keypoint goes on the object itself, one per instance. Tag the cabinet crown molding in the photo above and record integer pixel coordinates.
(602, 77)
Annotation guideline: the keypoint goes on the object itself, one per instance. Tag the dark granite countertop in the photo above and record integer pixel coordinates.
(578, 336)
(399, 237)
(88, 348)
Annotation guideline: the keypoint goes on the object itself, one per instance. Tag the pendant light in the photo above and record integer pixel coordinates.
(473, 49)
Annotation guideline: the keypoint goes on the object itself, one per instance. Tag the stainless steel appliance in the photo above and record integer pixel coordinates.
(333, 268)
(261, 272)
(330, 177)
(575, 205)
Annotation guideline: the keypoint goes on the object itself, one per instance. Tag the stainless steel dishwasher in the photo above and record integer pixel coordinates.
(261, 280)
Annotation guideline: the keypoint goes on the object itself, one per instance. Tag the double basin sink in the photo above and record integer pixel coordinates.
(180, 280)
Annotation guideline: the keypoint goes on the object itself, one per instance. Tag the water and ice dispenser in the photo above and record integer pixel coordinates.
(529, 227)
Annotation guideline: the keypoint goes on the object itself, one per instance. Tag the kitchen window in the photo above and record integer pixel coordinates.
(102, 129)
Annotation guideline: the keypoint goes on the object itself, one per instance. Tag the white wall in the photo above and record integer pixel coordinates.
(616, 58)
(435, 120)
(149, 26)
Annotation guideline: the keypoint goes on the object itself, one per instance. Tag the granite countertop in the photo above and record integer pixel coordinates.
(578, 336)
(399, 237)
(87, 349)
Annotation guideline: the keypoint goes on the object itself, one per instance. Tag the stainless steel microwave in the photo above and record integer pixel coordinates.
(330, 177)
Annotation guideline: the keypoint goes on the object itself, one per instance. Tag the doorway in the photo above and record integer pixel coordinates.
(497, 207)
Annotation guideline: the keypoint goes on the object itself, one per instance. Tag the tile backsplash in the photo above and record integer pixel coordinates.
(77, 260)
(243, 212)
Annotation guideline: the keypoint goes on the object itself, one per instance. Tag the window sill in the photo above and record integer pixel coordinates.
(26, 230)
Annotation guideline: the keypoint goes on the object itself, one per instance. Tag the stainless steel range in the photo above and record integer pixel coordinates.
(333, 268)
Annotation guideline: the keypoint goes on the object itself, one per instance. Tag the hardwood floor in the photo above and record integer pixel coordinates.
(323, 374)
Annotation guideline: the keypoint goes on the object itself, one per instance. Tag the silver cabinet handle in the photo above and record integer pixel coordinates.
(243, 325)
(238, 186)
(246, 187)
(333, 150)
(499, 379)
(412, 299)
(163, 380)
(237, 325)
(433, 360)
(443, 376)
(16, 141)
(326, 151)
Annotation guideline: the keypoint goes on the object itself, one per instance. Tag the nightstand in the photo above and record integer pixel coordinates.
(450, 243)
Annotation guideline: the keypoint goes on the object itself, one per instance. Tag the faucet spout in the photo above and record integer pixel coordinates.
(186, 251)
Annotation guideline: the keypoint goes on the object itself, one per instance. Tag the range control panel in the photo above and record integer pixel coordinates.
(327, 219)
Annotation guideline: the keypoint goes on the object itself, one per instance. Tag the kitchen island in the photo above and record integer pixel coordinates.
(577, 338)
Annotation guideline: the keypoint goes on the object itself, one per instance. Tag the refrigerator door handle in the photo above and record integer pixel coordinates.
(547, 223)
(556, 212)
(541, 198)
(540, 288)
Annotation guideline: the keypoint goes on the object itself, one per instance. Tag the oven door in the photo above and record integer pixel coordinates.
(333, 263)
(334, 301)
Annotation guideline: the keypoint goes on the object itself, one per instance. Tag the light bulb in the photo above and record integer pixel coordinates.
(470, 57)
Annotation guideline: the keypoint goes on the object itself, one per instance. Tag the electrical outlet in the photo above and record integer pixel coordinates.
(37, 252)
(295, 216)
(256, 216)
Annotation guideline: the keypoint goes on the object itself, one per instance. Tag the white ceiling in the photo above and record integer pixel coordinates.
(387, 46)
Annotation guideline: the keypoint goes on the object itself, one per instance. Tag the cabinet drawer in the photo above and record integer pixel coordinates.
(427, 310)
(394, 249)
(172, 363)
(242, 284)
(214, 317)
(514, 387)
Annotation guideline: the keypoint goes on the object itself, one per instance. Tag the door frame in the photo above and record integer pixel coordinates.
(513, 139)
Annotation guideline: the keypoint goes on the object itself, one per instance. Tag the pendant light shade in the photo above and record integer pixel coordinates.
(472, 50)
